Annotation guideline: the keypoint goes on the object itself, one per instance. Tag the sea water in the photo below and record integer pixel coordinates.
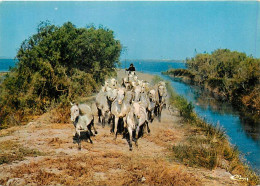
(5, 64)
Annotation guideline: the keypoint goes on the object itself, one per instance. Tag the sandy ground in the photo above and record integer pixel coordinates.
(105, 162)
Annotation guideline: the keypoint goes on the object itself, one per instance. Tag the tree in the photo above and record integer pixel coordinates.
(230, 73)
(58, 64)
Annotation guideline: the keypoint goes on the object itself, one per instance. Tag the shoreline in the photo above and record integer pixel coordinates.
(239, 107)
(154, 60)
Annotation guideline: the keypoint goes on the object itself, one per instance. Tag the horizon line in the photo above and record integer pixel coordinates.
(130, 0)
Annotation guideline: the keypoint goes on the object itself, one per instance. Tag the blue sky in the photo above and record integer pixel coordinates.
(149, 30)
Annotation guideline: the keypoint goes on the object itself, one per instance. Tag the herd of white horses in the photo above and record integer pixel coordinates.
(128, 108)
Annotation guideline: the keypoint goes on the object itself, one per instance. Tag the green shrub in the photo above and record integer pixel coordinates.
(231, 74)
(180, 72)
(196, 155)
(57, 64)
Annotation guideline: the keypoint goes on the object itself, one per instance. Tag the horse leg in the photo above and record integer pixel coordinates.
(159, 113)
(134, 137)
(156, 110)
(130, 132)
(89, 130)
(152, 116)
(137, 135)
(99, 114)
(92, 124)
(149, 115)
(124, 128)
(103, 119)
(88, 136)
(141, 131)
(116, 124)
(75, 137)
(79, 141)
(109, 120)
(112, 130)
(148, 129)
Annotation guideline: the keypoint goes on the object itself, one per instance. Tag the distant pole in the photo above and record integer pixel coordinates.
(195, 52)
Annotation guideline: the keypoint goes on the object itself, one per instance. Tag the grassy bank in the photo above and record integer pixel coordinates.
(206, 145)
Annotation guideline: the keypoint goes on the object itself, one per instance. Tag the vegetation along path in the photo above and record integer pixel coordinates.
(42, 153)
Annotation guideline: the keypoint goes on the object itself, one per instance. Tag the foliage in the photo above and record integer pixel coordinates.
(57, 64)
(185, 108)
(231, 74)
(179, 72)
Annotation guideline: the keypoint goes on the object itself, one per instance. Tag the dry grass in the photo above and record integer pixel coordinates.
(12, 151)
(196, 156)
(168, 138)
(103, 170)
(59, 126)
(61, 114)
(8, 132)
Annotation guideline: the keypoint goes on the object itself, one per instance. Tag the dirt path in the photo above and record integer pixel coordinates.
(106, 162)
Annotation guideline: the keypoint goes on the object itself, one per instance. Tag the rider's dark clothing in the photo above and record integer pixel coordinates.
(131, 68)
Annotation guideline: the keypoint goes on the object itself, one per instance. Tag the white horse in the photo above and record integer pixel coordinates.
(161, 99)
(82, 123)
(118, 110)
(151, 104)
(103, 103)
(136, 121)
(137, 93)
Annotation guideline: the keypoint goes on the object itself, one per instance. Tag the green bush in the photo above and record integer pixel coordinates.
(231, 74)
(180, 72)
(57, 64)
